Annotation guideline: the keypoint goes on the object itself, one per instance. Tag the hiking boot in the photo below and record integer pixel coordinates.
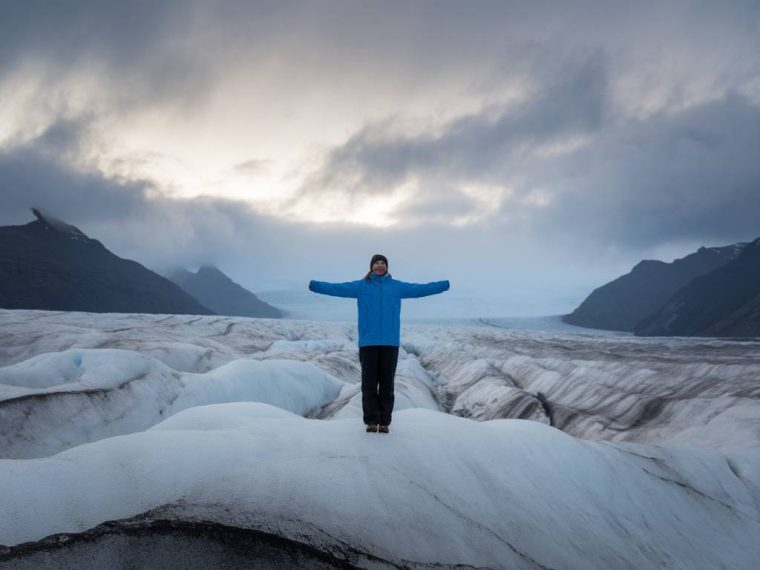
(372, 428)
(383, 429)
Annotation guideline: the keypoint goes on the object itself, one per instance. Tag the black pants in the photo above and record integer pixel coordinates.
(378, 372)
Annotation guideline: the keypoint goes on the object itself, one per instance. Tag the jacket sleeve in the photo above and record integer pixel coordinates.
(347, 289)
(409, 290)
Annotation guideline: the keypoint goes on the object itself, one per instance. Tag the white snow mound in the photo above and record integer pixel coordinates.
(82, 395)
(437, 489)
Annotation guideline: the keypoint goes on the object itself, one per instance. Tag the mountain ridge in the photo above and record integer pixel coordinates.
(216, 290)
(724, 302)
(625, 301)
(48, 264)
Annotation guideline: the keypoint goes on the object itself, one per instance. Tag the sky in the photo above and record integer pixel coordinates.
(527, 151)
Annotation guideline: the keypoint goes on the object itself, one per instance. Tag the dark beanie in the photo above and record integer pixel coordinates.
(378, 257)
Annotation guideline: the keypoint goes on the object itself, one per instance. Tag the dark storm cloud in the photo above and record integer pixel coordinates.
(127, 215)
(568, 98)
(37, 175)
(688, 175)
(67, 31)
(144, 52)
(128, 40)
(61, 138)
(678, 175)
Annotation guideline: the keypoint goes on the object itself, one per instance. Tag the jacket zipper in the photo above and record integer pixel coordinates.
(381, 309)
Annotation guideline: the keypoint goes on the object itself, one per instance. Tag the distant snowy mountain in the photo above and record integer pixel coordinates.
(240, 442)
(222, 295)
(623, 303)
(48, 264)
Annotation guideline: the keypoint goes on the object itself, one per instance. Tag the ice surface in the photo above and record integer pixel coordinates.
(438, 489)
(109, 392)
(256, 424)
(697, 392)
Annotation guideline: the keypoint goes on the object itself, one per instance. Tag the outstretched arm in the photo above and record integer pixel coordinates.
(347, 289)
(409, 290)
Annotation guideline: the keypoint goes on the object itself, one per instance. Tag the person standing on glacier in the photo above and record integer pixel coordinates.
(378, 297)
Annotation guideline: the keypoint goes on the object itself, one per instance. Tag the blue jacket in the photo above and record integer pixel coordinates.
(379, 303)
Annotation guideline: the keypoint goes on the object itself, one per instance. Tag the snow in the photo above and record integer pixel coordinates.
(439, 489)
(111, 392)
(256, 424)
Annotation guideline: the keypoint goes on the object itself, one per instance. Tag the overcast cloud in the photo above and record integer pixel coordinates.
(528, 151)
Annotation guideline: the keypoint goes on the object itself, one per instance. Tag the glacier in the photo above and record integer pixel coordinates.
(225, 440)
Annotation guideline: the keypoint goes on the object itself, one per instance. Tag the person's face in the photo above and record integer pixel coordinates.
(379, 267)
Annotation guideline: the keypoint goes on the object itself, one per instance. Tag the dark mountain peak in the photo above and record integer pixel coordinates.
(206, 274)
(751, 250)
(211, 271)
(723, 302)
(221, 294)
(47, 222)
(648, 265)
(727, 252)
(51, 265)
(179, 275)
(622, 303)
